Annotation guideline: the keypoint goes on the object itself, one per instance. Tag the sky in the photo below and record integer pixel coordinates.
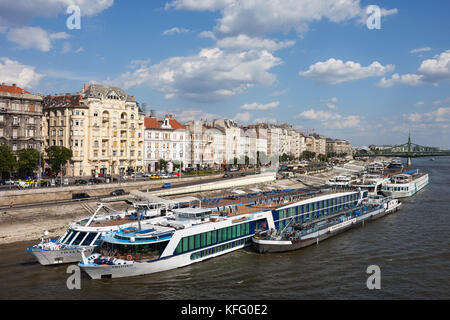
(319, 65)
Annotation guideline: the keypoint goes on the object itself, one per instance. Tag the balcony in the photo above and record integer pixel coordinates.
(105, 119)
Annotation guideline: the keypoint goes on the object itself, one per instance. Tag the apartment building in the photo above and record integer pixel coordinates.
(103, 126)
(166, 139)
(20, 118)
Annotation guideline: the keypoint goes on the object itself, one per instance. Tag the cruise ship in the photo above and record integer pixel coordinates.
(405, 184)
(371, 182)
(300, 235)
(341, 181)
(86, 233)
(219, 226)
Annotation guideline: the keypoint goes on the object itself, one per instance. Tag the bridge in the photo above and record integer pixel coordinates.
(407, 150)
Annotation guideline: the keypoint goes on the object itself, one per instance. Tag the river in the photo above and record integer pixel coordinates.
(411, 247)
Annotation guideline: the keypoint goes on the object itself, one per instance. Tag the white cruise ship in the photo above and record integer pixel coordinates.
(86, 233)
(220, 226)
(405, 184)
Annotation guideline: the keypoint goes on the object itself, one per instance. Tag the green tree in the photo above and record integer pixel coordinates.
(58, 157)
(323, 158)
(162, 165)
(7, 161)
(28, 161)
(308, 155)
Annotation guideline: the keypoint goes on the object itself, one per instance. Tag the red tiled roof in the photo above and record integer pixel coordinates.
(176, 125)
(155, 123)
(12, 89)
(151, 123)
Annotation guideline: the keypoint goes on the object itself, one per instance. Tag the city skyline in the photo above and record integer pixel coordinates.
(320, 68)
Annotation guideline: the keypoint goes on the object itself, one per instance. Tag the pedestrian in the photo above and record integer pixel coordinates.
(11, 205)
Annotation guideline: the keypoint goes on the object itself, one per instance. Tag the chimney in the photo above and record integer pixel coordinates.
(86, 86)
(14, 85)
(170, 116)
(152, 113)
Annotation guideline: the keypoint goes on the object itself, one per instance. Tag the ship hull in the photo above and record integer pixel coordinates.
(277, 246)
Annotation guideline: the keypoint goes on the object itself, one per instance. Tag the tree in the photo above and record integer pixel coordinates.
(162, 165)
(28, 161)
(7, 161)
(308, 155)
(57, 157)
(323, 158)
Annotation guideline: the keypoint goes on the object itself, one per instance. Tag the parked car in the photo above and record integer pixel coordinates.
(80, 181)
(243, 174)
(155, 177)
(166, 185)
(226, 175)
(9, 182)
(118, 192)
(82, 195)
(164, 176)
(95, 181)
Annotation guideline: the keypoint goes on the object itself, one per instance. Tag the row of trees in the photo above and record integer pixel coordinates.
(306, 155)
(24, 163)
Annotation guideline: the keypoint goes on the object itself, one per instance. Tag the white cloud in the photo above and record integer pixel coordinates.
(34, 38)
(261, 17)
(335, 71)
(20, 12)
(439, 117)
(211, 75)
(14, 72)
(175, 30)
(265, 120)
(331, 119)
(244, 42)
(260, 106)
(192, 114)
(437, 69)
(408, 79)
(430, 71)
(81, 49)
(419, 104)
(243, 117)
(418, 50)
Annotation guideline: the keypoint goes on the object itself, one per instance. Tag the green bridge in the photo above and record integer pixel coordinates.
(407, 150)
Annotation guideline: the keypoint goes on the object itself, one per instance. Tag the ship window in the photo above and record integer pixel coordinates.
(208, 238)
(229, 233)
(219, 235)
(79, 238)
(202, 240)
(89, 239)
(197, 241)
(214, 237)
(185, 244)
(69, 238)
(191, 243)
(64, 237)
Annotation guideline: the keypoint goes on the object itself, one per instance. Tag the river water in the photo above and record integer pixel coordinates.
(411, 247)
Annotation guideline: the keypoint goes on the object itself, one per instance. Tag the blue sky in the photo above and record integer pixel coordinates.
(312, 64)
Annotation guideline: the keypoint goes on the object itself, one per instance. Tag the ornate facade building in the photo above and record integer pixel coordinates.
(103, 126)
(20, 118)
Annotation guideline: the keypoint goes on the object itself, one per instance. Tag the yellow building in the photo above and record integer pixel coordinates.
(103, 126)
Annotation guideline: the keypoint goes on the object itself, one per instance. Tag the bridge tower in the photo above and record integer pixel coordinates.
(409, 150)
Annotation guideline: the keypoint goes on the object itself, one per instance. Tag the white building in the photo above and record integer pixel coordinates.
(164, 139)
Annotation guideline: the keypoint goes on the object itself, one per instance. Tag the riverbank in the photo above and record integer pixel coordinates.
(26, 224)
